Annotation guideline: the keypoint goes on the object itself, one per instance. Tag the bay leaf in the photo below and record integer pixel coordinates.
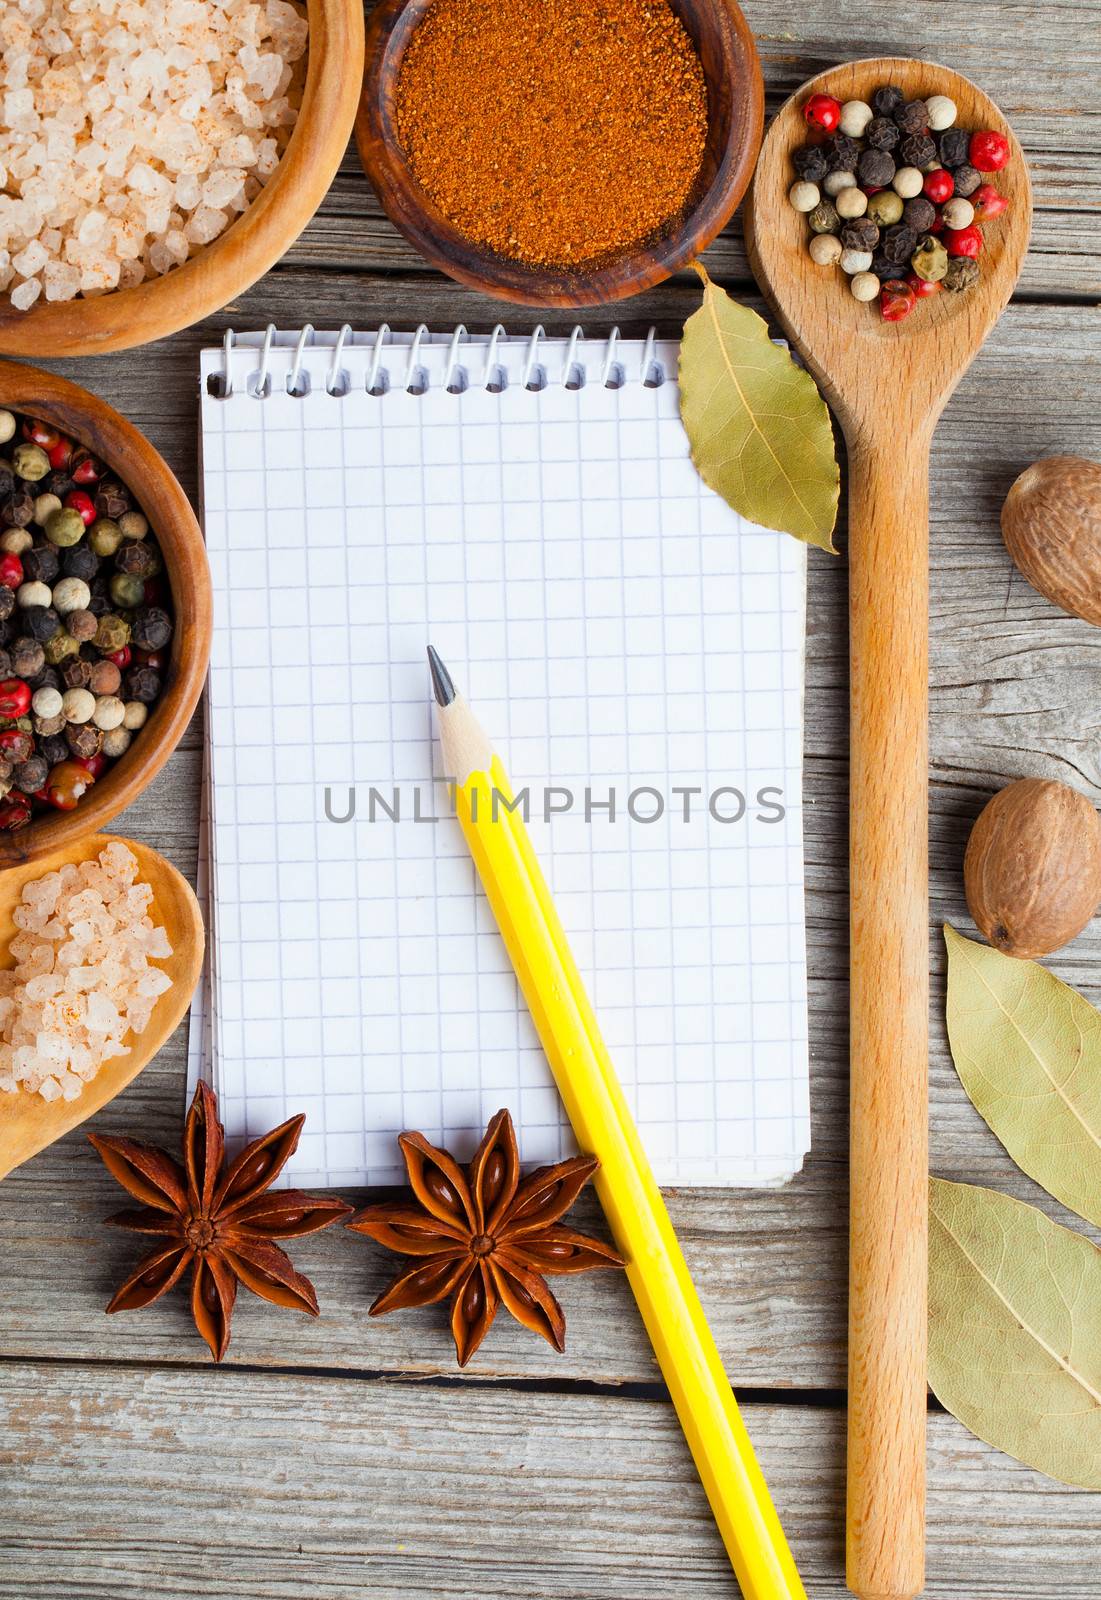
(1015, 1329)
(759, 430)
(1027, 1048)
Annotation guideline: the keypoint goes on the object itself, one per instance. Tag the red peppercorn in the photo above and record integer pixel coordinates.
(150, 658)
(96, 765)
(84, 467)
(15, 697)
(11, 571)
(66, 785)
(77, 500)
(59, 455)
(963, 241)
(15, 810)
(922, 287)
(989, 151)
(16, 745)
(988, 203)
(896, 300)
(154, 591)
(937, 225)
(121, 658)
(823, 112)
(40, 434)
(939, 185)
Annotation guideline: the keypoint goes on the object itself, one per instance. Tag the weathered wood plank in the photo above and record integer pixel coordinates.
(254, 1487)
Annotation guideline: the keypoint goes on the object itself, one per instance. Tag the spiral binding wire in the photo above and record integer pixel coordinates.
(456, 376)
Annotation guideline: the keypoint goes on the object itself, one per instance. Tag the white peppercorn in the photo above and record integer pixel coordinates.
(834, 182)
(854, 261)
(109, 712)
(851, 203)
(803, 196)
(78, 705)
(116, 743)
(864, 285)
(46, 702)
(33, 594)
(825, 249)
(907, 182)
(958, 213)
(71, 594)
(7, 426)
(855, 117)
(16, 541)
(941, 112)
(137, 713)
(44, 507)
(133, 525)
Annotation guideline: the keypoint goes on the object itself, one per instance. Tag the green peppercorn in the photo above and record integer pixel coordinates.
(126, 591)
(65, 527)
(105, 536)
(111, 635)
(885, 208)
(962, 272)
(930, 259)
(30, 462)
(60, 648)
(823, 219)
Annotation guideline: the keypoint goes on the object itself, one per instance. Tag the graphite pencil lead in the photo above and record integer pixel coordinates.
(442, 686)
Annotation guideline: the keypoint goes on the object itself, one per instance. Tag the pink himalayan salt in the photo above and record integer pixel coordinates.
(82, 979)
(168, 115)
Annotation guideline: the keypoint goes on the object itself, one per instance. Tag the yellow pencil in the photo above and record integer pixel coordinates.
(604, 1127)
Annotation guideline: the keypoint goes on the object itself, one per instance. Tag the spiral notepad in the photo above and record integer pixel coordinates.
(635, 651)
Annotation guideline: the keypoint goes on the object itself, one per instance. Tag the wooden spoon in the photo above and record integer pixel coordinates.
(27, 1122)
(887, 384)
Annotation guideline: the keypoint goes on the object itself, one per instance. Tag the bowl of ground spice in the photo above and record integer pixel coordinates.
(560, 152)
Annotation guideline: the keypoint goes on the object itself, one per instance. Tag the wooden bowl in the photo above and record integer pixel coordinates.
(735, 96)
(133, 460)
(262, 234)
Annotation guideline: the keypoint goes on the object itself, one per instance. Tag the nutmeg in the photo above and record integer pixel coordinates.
(1051, 524)
(1032, 871)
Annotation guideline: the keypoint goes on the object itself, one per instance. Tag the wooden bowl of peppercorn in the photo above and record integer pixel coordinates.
(126, 458)
(571, 157)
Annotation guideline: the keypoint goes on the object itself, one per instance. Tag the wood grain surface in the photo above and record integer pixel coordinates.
(306, 1466)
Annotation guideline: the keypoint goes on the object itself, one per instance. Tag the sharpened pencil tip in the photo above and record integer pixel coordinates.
(442, 686)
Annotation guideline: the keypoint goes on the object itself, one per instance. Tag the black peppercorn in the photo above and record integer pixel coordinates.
(899, 243)
(809, 162)
(860, 233)
(142, 683)
(30, 775)
(967, 180)
(76, 673)
(27, 658)
(919, 214)
(887, 100)
(100, 606)
(48, 678)
(80, 562)
(83, 738)
(113, 501)
(912, 117)
(17, 510)
(152, 627)
(875, 169)
(141, 558)
(57, 482)
(841, 152)
(917, 150)
(7, 602)
(54, 748)
(41, 622)
(953, 146)
(882, 134)
(7, 479)
(962, 272)
(40, 565)
(5, 664)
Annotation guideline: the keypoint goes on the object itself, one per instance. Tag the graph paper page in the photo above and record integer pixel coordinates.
(635, 652)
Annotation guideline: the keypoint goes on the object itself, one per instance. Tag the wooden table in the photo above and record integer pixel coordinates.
(342, 1459)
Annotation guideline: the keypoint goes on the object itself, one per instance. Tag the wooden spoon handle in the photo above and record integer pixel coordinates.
(889, 1009)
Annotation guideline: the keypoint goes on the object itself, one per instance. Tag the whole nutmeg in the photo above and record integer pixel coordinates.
(1051, 524)
(1032, 871)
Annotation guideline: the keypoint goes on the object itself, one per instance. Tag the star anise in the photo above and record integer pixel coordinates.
(485, 1237)
(220, 1221)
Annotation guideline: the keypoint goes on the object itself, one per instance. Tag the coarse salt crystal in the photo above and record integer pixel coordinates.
(24, 295)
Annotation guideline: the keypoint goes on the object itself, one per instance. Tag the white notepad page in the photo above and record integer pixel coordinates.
(618, 629)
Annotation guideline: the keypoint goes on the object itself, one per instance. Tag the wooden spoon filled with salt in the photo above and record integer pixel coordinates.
(887, 383)
(28, 1122)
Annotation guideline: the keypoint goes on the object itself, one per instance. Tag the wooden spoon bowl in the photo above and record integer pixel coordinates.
(134, 461)
(887, 384)
(226, 268)
(27, 1122)
(735, 97)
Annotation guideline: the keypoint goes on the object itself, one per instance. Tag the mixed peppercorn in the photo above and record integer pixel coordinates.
(895, 194)
(85, 619)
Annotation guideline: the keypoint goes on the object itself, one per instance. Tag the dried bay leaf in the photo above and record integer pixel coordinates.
(759, 430)
(1027, 1048)
(1015, 1329)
